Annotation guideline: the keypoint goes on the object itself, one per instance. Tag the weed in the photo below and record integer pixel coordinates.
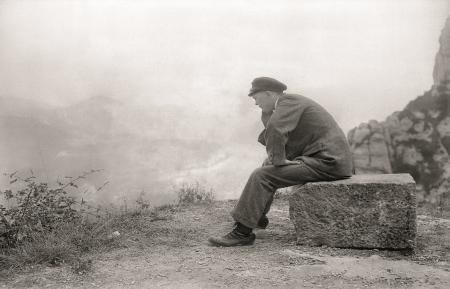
(35, 207)
(44, 225)
(194, 193)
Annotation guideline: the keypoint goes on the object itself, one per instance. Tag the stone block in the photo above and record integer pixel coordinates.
(365, 211)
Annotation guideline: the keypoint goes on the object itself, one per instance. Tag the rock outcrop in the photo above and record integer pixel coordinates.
(365, 211)
(441, 70)
(370, 146)
(415, 140)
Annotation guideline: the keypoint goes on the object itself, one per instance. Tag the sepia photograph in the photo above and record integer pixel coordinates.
(225, 144)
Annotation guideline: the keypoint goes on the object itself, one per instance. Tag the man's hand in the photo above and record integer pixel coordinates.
(266, 162)
(265, 116)
(286, 162)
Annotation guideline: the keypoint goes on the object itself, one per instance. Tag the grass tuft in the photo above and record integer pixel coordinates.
(194, 193)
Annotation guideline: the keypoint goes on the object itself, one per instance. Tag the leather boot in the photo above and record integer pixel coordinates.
(234, 238)
(263, 222)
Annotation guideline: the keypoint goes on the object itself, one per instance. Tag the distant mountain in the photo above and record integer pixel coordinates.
(415, 140)
(140, 149)
(14, 106)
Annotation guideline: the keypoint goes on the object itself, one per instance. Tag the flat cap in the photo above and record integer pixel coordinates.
(266, 84)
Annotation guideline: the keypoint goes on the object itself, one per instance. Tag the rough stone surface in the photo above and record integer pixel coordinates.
(365, 211)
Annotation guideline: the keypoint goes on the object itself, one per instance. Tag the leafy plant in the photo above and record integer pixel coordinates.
(35, 207)
(41, 224)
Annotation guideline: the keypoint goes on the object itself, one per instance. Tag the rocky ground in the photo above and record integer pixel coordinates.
(171, 251)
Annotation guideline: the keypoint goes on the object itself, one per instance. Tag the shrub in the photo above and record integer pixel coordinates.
(194, 193)
(45, 225)
(35, 207)
(40, 224)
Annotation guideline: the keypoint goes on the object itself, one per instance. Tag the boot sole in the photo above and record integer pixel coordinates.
(218, 244)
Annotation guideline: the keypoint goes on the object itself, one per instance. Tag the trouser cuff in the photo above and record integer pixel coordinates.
(243, 221)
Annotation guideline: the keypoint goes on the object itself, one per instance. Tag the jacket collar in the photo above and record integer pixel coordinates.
(276, 102)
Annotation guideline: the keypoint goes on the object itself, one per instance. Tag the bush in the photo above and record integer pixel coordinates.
(194, 193)
(40, 224)
(44, 225)
(36, 208)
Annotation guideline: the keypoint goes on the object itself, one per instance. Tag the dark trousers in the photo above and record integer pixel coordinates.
(257, 196)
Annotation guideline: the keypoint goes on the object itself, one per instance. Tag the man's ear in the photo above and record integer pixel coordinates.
(271, 94)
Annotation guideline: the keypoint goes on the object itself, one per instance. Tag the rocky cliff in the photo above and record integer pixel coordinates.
(415, 140)
(441, 70)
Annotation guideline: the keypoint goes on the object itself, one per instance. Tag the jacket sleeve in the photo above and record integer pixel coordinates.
(265, 116)
(283, 120)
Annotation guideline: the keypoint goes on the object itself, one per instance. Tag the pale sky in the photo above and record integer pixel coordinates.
(360, 59)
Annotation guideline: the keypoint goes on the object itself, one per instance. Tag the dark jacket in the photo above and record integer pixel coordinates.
(301, 129)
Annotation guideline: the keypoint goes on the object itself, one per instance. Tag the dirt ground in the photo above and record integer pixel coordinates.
(172, 252)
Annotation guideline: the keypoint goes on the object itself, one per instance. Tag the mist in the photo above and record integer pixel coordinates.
(155, 93)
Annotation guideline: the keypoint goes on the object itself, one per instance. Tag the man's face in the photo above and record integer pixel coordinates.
(264, 100)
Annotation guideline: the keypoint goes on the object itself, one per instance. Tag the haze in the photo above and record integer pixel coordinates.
(155, 92)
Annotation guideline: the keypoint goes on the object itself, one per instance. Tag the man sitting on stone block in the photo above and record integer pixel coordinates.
(303, 143)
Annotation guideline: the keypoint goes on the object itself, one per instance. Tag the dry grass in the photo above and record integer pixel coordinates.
(194, 193)
(72, 244)
(74, 241)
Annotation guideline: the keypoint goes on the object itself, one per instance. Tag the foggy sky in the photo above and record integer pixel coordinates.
(360, 59)
(372, 56)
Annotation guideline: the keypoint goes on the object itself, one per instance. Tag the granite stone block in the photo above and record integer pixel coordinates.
(365, 211)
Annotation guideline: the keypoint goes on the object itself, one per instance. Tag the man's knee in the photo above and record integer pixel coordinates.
(260, 173)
